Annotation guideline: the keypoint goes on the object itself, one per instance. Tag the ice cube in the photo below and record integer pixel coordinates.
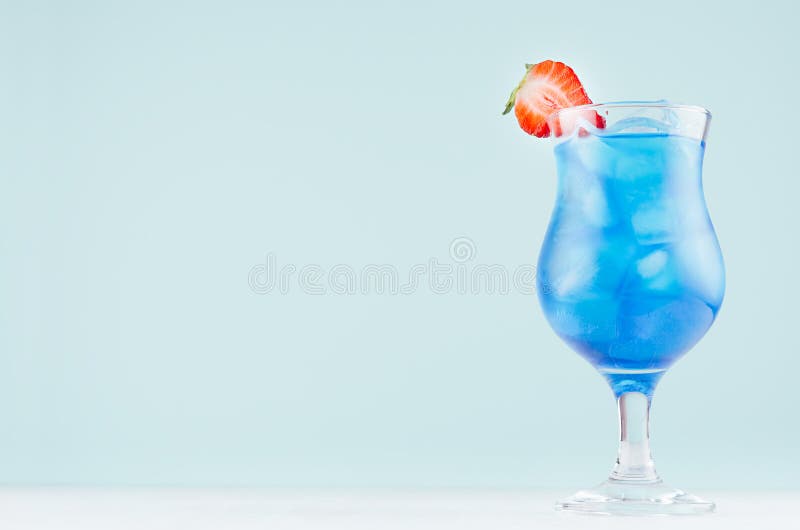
(640, 124)
(652, 264)
(701, 266)
(655, 271)
(653, 223)
(641, 164)
(584, 204)
(583, 175)
(573, 267)
(590, 156)
(581, 158)
(594, 206)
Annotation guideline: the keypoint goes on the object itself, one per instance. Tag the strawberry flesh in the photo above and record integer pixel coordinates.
(547, 87)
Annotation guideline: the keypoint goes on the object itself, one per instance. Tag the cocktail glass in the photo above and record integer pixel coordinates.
(630, 274)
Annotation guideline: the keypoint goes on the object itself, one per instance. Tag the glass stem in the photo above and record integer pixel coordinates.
(634, 463)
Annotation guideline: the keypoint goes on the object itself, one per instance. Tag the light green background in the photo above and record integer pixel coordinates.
(151, 153)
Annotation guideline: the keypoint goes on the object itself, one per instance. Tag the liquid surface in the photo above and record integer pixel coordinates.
(630, 274)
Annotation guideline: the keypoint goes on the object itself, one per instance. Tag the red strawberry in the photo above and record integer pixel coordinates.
(547, 87)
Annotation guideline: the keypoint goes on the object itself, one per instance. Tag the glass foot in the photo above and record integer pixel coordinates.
(615, 497)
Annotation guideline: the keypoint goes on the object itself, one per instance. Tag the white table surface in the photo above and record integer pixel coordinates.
(233, 509)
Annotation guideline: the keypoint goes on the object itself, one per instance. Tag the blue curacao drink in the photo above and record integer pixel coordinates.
(630, 274)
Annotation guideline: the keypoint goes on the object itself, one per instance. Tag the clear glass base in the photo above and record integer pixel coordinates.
(616, 497)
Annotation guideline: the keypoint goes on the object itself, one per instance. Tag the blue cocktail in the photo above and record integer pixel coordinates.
(630, 274)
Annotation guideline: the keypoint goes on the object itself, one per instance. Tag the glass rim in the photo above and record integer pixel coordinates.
(634, 105)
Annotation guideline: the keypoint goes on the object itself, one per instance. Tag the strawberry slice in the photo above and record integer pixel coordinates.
(545, 88)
